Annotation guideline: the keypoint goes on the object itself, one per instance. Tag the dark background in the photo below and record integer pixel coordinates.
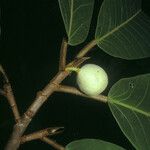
(32, 31)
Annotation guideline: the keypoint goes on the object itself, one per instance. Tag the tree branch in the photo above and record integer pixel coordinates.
(42, 133)
(42, 96)
(4, 74)
(63, 54)
(52, 143)
(8, 93)
(73, 90)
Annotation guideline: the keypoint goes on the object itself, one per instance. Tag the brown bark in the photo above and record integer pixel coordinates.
(42, 133)
(42, 96)
(75, 91)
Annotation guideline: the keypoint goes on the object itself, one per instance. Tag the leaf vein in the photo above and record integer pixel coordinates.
(118, 27)
(130, 107)
(71, 18)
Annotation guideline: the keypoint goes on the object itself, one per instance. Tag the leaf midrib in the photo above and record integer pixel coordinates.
(130, 107)
(71, 18)
(118, 27)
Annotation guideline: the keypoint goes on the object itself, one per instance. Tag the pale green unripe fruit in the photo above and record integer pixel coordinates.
(92, 79)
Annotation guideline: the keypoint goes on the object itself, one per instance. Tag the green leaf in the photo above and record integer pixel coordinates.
(77, 16)
(123, 29)
(92, 144)
(129, 101)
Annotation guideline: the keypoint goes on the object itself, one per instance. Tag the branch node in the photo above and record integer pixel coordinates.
(42, 133)
(29, 114)
(40, 94)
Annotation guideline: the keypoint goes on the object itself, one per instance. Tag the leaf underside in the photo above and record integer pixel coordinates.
(129, 101)
(92, 144)
(123, 29)
(77, 16)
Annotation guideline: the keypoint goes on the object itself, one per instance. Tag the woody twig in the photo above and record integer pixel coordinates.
(8, 93)
(42, 133)
(63, 54)
(42, 97)
(75, 91)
